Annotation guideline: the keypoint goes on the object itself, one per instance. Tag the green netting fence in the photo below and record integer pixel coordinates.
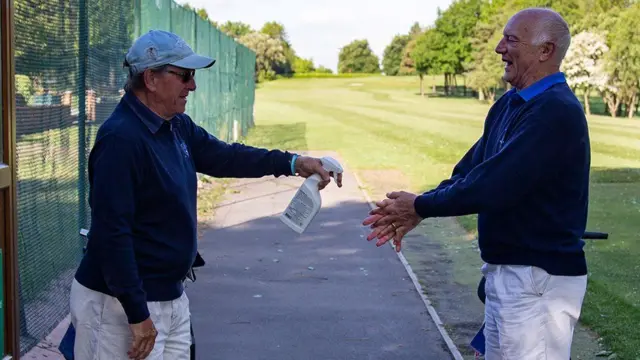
(69, 78)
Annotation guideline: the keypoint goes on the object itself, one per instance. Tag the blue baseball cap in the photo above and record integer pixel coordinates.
(158, 47)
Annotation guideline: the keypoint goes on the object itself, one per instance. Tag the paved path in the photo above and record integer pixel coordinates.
(269, 293)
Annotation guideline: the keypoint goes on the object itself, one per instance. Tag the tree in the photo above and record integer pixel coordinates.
(235, 29)
(407, 66)
(426, 54)
(392, 57)
(406, 63)
(622, 59)
(302, 66)
(276, 30)
(269, 54)
(357, 57)
(584, 64)
(415, 29)
(486, 69)
(456, 25)
(323, 70)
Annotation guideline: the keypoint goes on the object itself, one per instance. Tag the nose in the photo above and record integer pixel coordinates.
(191, 84)
(501, 48)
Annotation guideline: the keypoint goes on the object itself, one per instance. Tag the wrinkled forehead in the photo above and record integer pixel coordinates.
(522, 26)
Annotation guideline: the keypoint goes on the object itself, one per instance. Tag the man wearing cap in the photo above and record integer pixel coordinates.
(127, 299)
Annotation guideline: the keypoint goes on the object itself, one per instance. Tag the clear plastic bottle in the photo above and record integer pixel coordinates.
(307, 202)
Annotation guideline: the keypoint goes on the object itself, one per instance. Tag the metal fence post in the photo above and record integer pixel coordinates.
(83, 43)
(137, 18)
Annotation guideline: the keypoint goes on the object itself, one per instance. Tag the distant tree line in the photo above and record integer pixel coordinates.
(603, 60)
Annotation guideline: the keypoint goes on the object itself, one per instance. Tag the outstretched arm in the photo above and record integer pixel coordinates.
(537, 148)
(220, 159)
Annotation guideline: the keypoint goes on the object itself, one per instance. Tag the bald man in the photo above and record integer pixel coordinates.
(527, 178)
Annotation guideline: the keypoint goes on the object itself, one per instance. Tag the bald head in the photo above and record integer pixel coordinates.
(546, 26)
(533, 45)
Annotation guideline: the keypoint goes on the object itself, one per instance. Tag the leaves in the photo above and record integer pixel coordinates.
(393, 53)
(269, 53)
(357, 57)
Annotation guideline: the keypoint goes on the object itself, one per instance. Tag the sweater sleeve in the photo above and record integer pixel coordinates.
(536, 148)
(219, 159)
(114, 172)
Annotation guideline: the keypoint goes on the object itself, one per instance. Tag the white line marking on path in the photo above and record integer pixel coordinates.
(434, 315)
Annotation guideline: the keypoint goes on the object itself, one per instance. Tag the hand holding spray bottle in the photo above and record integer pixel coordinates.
(307, 202)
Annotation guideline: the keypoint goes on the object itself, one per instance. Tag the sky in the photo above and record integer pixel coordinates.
(319, 31)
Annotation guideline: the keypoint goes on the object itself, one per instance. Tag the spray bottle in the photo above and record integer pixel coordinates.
(307, 202)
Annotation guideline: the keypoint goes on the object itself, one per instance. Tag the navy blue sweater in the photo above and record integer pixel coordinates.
(527, 178)
(143, 185)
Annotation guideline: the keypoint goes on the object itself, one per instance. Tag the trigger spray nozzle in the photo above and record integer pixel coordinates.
(332, 166)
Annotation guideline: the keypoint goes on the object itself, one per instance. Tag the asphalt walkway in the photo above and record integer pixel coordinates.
(269, 293)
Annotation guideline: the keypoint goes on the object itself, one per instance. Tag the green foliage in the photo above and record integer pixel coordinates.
(323, 70)
(236, 29)
(357, 57)
(456, 25)
(275, 30)
(407, 67)
(24, 90)
(624, 57)
(427, 54)
(301, 65)
(415, 29)
(392, 57)
(269, 54)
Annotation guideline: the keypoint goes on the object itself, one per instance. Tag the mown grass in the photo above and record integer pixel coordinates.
(379, 123)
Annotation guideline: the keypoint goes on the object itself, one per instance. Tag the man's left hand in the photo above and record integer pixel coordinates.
(306, 166)
(393, 218)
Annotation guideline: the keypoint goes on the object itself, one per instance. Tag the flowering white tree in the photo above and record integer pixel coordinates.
(269, 53)
(584, 66)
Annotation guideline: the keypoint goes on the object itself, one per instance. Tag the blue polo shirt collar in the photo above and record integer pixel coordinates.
(148, 117)
(541, 85)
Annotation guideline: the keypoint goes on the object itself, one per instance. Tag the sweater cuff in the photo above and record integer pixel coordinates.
(135, 306)
(422, 205)
(287, 164)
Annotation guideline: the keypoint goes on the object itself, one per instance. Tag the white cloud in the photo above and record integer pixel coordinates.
(319, 29)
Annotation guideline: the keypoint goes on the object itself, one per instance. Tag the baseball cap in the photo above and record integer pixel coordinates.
(158, 48)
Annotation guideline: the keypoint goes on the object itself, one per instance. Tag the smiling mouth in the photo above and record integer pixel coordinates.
(507, 63)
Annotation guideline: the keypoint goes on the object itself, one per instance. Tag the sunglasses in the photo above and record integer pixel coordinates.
(185, 76)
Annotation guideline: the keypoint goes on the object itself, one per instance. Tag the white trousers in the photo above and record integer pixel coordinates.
(529, 314)
(103, 332)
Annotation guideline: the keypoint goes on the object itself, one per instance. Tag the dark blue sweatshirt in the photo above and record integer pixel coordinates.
(142, 175)
(527, 178)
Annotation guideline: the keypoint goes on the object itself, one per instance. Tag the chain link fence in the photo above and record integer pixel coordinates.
(69, 78)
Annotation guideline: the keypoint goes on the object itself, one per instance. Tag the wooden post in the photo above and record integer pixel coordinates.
(8, 194)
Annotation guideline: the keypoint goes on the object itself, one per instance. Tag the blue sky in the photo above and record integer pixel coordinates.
(319, 31)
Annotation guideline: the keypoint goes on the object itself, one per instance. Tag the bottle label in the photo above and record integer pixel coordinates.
(300, 208)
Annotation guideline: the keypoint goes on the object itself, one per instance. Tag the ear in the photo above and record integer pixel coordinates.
(546, 51)
(150, 80)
